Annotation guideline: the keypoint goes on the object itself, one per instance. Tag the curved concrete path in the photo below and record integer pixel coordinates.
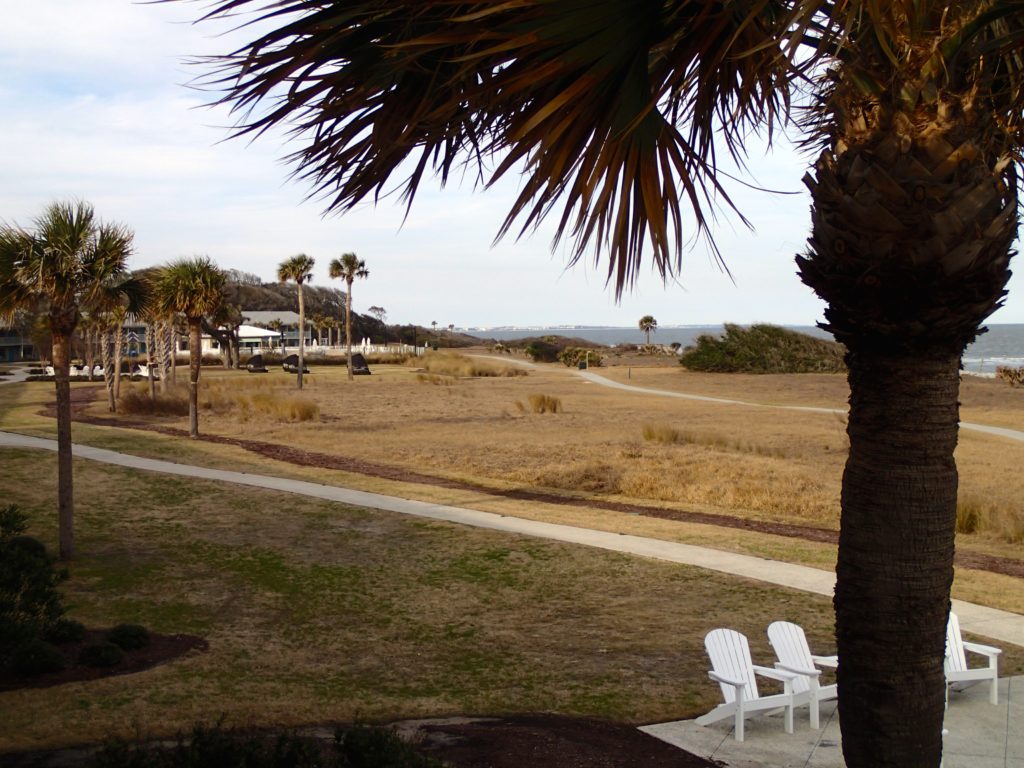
(996, 624)
(595, 378)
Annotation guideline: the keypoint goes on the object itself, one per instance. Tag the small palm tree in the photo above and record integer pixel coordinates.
(648, 324)
(70, 262)
(348, 267)
(193, 287)
(300, 269)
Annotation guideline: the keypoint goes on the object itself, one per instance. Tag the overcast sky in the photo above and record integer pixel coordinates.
(95, 107)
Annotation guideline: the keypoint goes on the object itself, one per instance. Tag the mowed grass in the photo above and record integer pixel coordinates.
(319, 612)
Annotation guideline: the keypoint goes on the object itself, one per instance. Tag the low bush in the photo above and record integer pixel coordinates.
(763, 349)
(976, 516)
(100, 655)
(540, 404)
(209, 747)
(30, 604)
(138, 402)
(1012, 376)
(128, 637)
(280, 406)
(449, 364)
(36, 657)
(66, 631)
(573, 356)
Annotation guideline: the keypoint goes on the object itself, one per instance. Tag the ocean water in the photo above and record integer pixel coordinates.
(1002, 345)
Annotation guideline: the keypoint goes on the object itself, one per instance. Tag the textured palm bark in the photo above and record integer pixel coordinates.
(65, 479)
(195, 359)
(106, 344)
(895, 565)
(348, 329)
(302, 334)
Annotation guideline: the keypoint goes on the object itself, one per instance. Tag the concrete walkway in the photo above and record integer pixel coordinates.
(980, 735)
(595, 378)
(977, 619)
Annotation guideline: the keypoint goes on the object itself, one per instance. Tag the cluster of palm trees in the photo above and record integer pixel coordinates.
(299, 269)
(71, 268)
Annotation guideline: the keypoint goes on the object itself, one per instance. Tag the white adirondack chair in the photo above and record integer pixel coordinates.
(957, 669)
(790, 644)
(733, 670)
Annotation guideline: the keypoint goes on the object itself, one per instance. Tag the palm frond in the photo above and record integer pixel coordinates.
(608, 107)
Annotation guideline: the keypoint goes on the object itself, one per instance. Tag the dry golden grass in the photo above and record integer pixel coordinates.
(753, 462)
(461, 366)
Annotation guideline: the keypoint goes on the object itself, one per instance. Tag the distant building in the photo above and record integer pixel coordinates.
(14, 346)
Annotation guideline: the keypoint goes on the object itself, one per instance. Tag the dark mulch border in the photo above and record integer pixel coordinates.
(160, 650)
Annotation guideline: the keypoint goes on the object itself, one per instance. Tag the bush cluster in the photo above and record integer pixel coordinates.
(30, 605)
(763, 349)
(574, 356)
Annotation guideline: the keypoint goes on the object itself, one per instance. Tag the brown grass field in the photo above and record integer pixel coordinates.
(318, 612)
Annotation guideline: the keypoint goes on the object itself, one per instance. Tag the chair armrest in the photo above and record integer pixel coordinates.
(985, 650)
(826, 661)
(797, 670)
(723, 679)
(774, 674)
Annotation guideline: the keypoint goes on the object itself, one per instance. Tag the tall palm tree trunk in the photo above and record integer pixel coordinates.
(895, 569)
(913, 218)
(118, 353)
(151, 359)
(106, 344)
(65, 481)
(348, 329)
(195, 359)
(302, 334)
(162, 353)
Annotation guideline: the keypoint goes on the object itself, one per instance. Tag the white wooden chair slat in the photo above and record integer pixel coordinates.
(790, 644)
(958, 670)
(732, 668)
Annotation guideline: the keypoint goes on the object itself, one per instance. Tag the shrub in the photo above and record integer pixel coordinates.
(30, 604)
(1012, 376)
(100, 655)
(449, 364)
(573, 356)
(541, 351)
(66, 631)
(542, 404)
(763, 349)
(128, 637)
(172, 403)
(36, 657)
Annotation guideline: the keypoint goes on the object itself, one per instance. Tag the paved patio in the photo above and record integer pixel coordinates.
(980, 735)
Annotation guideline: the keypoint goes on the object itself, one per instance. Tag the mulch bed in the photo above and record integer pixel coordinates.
(160, 650)
(549, 741)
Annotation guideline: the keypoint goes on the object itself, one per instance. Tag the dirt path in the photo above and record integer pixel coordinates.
(82, 397)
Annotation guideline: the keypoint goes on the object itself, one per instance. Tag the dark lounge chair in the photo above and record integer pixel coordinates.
(255, 364)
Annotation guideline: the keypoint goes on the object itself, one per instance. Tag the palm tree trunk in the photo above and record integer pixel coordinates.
(348, 328)
(151, 359)
(895, 570)
(108, 369)
(302, 334)
(65, 483)
(162, 353)
(174, 353)
(118, 350)
(195, 359)
(90, 350)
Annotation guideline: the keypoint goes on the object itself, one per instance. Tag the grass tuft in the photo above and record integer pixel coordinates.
(539, 403)
(450, 364)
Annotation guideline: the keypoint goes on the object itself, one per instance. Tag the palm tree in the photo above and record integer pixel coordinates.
(618, 110)
(648, 324)
(300, 269)
(348, 267)
(69, 263)
(193, 287)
